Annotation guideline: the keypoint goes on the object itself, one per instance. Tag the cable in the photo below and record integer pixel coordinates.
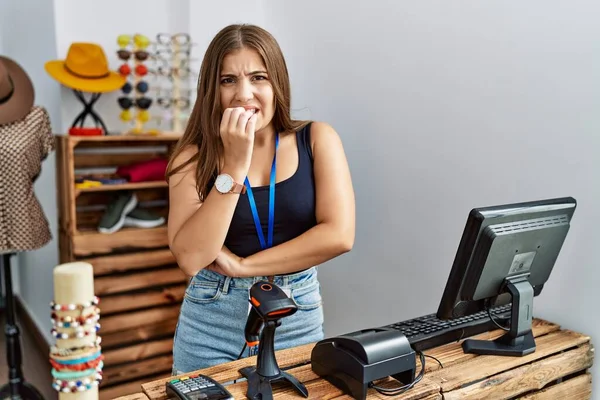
(402, 389)
(240, 356)
(438, 361)
(489, 313)
(242, 352)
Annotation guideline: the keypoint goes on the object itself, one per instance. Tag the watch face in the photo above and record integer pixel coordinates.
(224, 183)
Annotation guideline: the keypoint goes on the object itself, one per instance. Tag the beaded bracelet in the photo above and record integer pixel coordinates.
(78, 335)
(91, 357)
(73, 375)
(79, 321)
(72, 307)
(74, 321)
(77, 367)
(65, 352)
(76, 386)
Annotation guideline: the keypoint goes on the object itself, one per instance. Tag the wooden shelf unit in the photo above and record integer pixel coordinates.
(135, 275)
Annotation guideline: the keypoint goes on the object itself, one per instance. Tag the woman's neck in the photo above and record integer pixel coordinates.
(264, 137)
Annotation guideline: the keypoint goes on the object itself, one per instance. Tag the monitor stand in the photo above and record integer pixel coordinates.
(519, 341)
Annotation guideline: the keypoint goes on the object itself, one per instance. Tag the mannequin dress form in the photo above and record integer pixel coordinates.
(24, 144)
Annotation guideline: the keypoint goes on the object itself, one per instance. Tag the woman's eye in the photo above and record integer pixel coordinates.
(227, 80)
(260, 77)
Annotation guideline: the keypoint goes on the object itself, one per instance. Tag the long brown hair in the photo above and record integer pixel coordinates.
(203, 127)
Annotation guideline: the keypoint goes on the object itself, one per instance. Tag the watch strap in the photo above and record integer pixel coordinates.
(238, 188)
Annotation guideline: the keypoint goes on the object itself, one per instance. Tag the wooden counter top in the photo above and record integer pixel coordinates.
(560, 354)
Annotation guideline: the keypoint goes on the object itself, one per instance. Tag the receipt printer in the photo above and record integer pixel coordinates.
(351, 361)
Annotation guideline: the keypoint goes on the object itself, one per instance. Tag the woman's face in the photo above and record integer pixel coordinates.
(244, 83)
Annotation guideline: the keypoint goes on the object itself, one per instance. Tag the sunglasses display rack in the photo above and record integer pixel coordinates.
(172, 58)
(134, 100)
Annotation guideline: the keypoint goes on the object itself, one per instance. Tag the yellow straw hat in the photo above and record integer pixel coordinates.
(85, 69)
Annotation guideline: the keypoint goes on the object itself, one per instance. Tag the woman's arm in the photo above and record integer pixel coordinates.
(335, 212)
(197, 230)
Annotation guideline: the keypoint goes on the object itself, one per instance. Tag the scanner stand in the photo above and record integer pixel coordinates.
(352, 361)
(267, 371)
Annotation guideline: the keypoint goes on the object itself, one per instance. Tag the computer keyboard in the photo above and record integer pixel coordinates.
(429, 331)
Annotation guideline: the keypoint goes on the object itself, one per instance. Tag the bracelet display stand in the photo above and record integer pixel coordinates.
(76, 358)
(16, 388)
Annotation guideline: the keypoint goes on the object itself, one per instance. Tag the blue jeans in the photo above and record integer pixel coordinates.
(210, 329)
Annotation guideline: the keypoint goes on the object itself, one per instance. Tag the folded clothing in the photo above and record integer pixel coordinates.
(151, 170)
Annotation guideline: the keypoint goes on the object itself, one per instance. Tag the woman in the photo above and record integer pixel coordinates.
(241, 163)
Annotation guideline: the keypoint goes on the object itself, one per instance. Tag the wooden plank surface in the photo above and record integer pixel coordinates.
(144, 139)
(318, 388)
(126, 372)
(131, 261)
(148, 298)
(559, 354)
(452, 353)
(321, 389)
(529, 377)
(147, 331)
(90, 243)
(135, 396)
(90, 159)
(229, 371)
(110, 284)
(131, 320)
(122, 186)
(124, 389)
(142, 351)
(579, 387)
(482, 367)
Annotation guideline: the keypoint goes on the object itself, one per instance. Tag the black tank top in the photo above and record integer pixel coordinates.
(294, 206)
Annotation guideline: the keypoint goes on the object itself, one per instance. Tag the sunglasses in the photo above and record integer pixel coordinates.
(140, 55)
(126, 103)
(142, 116)
(178, 38)
(140, 87)
(140, 41)
(139, 70)
(167, 102)
(168, 53)
(181, 72)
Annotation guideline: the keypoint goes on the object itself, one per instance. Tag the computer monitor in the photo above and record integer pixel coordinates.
(506, 255)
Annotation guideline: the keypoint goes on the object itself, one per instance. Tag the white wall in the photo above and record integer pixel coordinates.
(208, 18)
(443, 108)
(27, 29)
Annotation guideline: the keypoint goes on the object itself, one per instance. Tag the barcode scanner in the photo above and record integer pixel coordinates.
(269, 305)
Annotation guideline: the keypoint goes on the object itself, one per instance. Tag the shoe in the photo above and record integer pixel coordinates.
(114, 216)
(141, 218)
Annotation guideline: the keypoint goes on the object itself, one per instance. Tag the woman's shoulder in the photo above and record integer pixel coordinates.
(185, 155)
(183, 161)
(320, 132)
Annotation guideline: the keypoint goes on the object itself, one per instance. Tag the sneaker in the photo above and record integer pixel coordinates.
(114, 216)
(141, 218)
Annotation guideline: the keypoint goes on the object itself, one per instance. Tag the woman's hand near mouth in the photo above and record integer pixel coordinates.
(237, 132)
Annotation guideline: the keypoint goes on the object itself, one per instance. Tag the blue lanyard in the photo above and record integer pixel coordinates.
(259, 230)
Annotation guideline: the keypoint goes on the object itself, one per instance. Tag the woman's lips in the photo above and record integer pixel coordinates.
(256, 110)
